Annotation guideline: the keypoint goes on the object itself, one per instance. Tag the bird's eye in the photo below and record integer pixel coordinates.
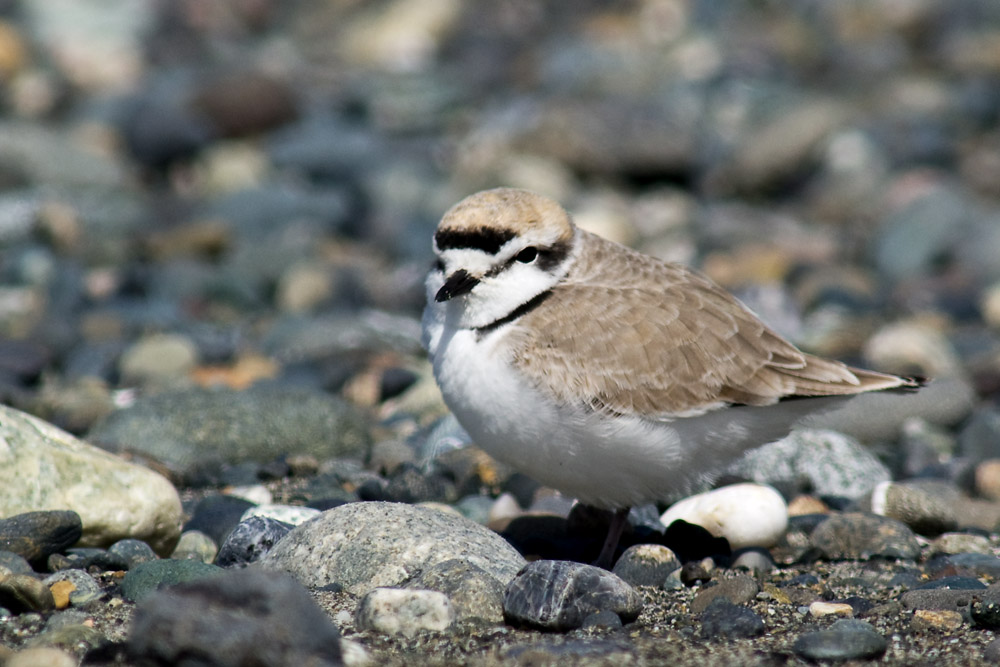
(527, 255)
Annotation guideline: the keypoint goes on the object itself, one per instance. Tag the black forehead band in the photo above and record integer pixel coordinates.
(487, 239)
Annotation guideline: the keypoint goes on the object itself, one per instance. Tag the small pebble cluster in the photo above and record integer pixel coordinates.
(219, 435)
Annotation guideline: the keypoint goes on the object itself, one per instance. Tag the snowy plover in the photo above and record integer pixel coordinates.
(607, 374)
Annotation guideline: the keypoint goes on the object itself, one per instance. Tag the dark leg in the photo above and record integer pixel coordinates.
(618, 522)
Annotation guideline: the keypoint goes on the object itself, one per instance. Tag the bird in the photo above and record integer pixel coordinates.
(609, 375)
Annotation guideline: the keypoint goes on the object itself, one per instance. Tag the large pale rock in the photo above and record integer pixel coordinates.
(45, 468)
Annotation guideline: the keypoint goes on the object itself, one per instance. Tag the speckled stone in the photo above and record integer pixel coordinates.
(559, 595)
(646, 564)
(739, 589)
(861, 536)
(397, 611)
(847, 639)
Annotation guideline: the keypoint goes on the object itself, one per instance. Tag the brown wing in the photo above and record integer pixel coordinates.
(633, 335)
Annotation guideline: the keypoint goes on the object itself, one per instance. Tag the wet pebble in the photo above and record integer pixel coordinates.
(738, 590)
(195, 545)
(84, 588)
(23, 592)
(133, 552)
(36, 535)
(559, 595)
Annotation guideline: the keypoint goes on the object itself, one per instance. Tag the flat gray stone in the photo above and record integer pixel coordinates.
(858, 536)
(362, 546)
(194, 430)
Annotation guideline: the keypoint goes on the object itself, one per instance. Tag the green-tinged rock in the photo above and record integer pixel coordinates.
(45, 468)
(156, 574)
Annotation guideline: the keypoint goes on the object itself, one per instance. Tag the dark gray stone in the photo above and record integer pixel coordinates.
(250, 540)
(857, 536)
(723, 619)
(559, 595)
(242, 617)
(148, 577)
(197, 430)
(87, 588)
(646, 564)
(134, 552)
(36, 535)
(847, 639)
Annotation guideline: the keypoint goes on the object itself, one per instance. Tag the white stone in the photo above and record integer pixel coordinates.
(394, 611)
(45, 468)
(748, 515)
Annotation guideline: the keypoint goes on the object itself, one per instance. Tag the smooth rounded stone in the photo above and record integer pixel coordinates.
(134, 552)
(217, 516)
(159, 359)
(473, 593)
(739, 589)
(36, 535)
(41, 656)
(23, 592)
(937, 599)
(968, 564)
(44, 467)
(846, 639)
(747, 515)
(832, 463)
(148, 577)
(820, 609)
(912, 347)
(959, 543)
(928, 507)
(71, 637)
(721, 618)
(559, 595)
(195, 431)
(85, 589)
(755, 560)
(646, 564)
(252, 538)
(241, 617)
(12, 563)
(987, 479)
(857, 536)
(931, 620)
(602, 620)
(292, 515)
(362, 546)
(195, 545)
(952, 583)
(398, 611)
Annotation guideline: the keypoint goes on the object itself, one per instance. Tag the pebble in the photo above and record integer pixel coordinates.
(819, 609)
(559, 595)
(747, 515)
(738, 590)
(830, 463)
(928, 507)
(928, 620)
(376, 545)
(149, 577)
(195, 545)
(646, 565)
(83, 589)
(209, 618)
(847, 639)
(860, 536)
(36, 535)
(23, 592)
(217, 516)
(194, 431)
(134, 552)
(41, 657)
(404, 611)
(474, 594)
(158, 360)
(250, 541)
(724, 619)
(959, 543)
(113, 498)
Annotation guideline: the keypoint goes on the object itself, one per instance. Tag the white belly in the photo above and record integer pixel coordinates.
(605, 461)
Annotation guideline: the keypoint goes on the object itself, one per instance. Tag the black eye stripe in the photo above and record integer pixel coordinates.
(487, 239)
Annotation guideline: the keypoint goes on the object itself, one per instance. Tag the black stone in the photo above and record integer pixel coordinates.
(216, 516)
(36, 535)
(724, 619)
(250, 540)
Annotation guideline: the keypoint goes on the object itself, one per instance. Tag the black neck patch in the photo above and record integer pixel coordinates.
(487, 239)
(523, 309)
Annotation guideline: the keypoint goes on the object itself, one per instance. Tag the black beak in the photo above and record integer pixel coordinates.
(457, 284)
